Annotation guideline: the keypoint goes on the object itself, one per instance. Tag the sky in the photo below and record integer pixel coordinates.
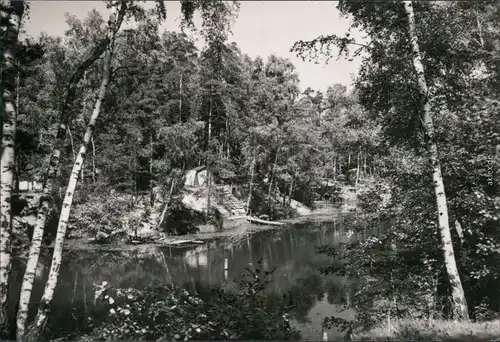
(261, 28)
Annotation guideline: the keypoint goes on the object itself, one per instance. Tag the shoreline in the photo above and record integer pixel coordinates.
(241, 231)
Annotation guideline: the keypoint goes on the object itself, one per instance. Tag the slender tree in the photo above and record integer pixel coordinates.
(167, 200)
(11, 15)
(35, 330)
(250, 188)
(458, 301)
(45, 201)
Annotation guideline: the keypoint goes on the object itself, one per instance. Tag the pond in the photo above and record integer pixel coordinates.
(290, 250)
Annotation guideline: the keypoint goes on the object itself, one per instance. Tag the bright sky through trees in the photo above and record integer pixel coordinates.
(262, 28)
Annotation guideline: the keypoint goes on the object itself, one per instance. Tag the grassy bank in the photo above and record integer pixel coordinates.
(437, 330)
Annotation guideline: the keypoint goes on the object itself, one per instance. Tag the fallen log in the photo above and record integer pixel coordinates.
(265, 222)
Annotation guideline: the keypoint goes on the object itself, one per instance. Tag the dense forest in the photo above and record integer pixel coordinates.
(111, 116)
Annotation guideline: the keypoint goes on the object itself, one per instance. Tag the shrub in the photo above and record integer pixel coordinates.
(99, 213)
(334, 194)
(215, 217)
(182, 220)
(173, 313)
(370, 200)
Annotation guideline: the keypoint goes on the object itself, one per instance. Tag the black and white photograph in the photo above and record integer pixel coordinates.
(209, 170)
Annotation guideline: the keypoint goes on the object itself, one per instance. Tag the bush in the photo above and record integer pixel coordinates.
(215, 217)
(370, 201)
(281, 212)
(334, 195)
(173, 313)
(260, 205)
(99, 213)
(402, 278)
(182, 220)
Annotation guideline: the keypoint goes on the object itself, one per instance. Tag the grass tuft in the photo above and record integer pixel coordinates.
(437, 330)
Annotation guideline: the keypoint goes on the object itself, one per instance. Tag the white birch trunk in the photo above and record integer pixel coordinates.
(45, 199)
(180, 98)
(7, 161)
(93, 160)
(271, 176)
(365, 175)
(334, 169)
(458, 300)
(252, 173)
(152, 195)
(208, 179)
(35, 330)
(460, 232)
(72, 144)
(290, 192)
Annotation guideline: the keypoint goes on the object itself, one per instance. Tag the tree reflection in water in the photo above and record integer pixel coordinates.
(296, 279)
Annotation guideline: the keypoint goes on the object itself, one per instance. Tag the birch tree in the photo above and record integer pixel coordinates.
(458, 301)
(45, 201)
(435, 51)
(35, 330)
(11, 15)
(250, 187)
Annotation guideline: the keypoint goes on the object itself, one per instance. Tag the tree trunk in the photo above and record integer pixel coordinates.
(284, 196)
(364, 166)
(36, 329)
(460, 232)
(72, 144)
(167, 201)
(46, 198)
(18, 230)
(209, 137)
(334, 168)
(252, 173)
(458, 300)
(349, 161)
(180, 98)
(361, 165)
(290, 192)
(82, 115)
(480, 32)
(93, 160)
(18, 66)
(357, 172)
(152, 196)
(134, 170)
(226, 138)
(271, 176)
(7, 161)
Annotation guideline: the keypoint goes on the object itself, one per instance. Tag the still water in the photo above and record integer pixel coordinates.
(290, 250)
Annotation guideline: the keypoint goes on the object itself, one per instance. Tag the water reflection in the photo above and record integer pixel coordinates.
(290, 250)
